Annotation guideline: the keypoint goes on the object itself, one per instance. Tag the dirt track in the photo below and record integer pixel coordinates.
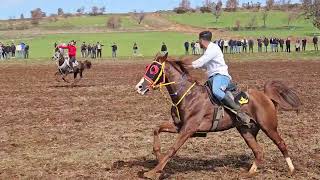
(103, 129)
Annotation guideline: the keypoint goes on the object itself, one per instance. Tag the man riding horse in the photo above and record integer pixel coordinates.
(72, 52)
(213, 61)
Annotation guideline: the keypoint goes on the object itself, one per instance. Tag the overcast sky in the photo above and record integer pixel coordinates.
(13, 8)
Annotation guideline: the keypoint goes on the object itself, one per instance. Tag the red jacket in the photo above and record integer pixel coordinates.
(72, 50)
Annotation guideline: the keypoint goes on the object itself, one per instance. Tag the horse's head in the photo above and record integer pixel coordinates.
(56, 56)
(154, 74)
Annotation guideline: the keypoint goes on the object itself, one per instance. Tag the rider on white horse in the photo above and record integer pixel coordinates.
(72, 52)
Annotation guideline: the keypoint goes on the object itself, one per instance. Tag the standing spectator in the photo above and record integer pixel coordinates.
(83, 50)
(298, 45)
(8, 51)
(288, 45)
(22, 49)
(226, 45)
(186, 47)
(13, 50)
(89, 53)
(244, 45)
(18, 50)
(259, 44)
(135, 49)
(239, 44)
(94, 51)
(1, 51)
(230, 43)
(114, 50)
(221, 44)
(315, 43)
(281, 42)
(275, 45)
(251, 44)
(266, 43)
(304, 44)
(272, 44)
(99, 50)
(198, 48)
(26, 51)
(193, 47)
(164, 48)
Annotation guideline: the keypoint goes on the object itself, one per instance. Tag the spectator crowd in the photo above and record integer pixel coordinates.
(19, 51)
(272, 44)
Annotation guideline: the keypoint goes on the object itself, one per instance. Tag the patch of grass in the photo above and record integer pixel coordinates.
(149, 42)
(276, 23)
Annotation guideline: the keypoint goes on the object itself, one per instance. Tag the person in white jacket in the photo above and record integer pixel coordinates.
(213, 62)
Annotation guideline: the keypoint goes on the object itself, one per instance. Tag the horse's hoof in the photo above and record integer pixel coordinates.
(152, 175)
(159, 157)
(291, 172)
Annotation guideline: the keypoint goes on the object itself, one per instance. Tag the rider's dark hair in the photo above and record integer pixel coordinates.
(205, 35)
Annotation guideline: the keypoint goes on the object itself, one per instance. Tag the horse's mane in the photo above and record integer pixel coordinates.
(184, 62)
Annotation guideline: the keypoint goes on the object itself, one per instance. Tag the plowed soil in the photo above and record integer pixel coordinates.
(102, 129)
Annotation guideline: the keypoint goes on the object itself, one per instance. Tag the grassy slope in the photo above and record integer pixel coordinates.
(276, 23)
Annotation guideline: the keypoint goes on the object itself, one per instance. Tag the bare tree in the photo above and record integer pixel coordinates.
(114, 22)
(80, 11)
(102, 9)
(94, 11)
(312, 11)
(60, 12)
(216, 9)
(139, 17)
(264, 17)
(232, 5)
(185, 4)
(291, 16)
(253, 22)
(269, 4)
(36, 16)
(237, 24)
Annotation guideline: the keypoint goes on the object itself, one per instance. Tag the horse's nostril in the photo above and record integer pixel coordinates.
(140, 87)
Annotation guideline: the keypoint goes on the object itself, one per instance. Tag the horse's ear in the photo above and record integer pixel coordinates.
(163, 56)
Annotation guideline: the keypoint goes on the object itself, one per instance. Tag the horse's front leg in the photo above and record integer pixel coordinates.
(164, 127)
(181, 139)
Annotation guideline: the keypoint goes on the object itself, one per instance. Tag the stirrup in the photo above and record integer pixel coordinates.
(244, 122)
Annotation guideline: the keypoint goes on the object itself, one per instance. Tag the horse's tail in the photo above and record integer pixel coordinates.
(87, 64)
(282, 96)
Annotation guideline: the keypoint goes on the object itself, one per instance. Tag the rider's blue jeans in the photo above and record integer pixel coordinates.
(219, 85)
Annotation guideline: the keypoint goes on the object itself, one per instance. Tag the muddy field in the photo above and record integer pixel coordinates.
(102, 129)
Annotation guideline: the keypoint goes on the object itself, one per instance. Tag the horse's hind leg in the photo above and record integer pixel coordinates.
(273, 134)
(164, 127)
(249, 135)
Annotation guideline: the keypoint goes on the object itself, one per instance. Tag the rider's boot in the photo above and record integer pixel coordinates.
(229, 102)
(71, 70)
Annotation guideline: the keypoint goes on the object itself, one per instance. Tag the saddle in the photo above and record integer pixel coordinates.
(240, 97)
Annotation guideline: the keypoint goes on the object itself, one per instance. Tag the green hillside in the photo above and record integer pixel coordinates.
(276, 23)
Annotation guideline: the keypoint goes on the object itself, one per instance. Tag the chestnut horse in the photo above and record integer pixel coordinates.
(192, 111)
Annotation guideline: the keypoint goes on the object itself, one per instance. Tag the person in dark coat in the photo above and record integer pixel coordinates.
(288, 45)
(281, 43)
(186, 47)
(251, 44)
(315, 43)
(266, 43)
(304, 44)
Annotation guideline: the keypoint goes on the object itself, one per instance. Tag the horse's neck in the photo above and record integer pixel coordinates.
(179, 88)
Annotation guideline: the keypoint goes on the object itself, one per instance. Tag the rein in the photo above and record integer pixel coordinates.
(164, 84)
